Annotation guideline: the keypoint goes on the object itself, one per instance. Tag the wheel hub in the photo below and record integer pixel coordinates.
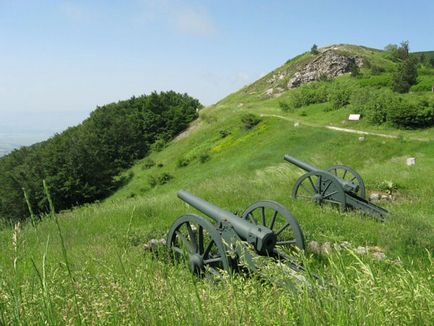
(317, 198)
(196, 263)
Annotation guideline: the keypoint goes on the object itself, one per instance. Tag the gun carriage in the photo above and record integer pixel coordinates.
(265, 226)
(339, 184)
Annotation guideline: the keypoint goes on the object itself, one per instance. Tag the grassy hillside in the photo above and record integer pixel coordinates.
(87, 265)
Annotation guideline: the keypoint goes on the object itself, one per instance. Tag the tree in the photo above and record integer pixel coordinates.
(405, 75)
(354, 69)
(403, 50)
(314, 49)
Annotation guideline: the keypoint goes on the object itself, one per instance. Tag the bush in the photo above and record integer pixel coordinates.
(376, 70)
(250, 120)
(339, 97)
(309, 94)
(204, 157)
(183, 162)
(314, 49)
(285, 107)
(412, 115)
(152, 181)
(164, 178)
(148, 164)
(158, 145)
(224, 133)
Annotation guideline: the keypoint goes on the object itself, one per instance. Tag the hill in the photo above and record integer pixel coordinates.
(87, 265)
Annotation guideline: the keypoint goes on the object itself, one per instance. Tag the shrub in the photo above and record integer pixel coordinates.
(164, 178)
(148, 164)
(152, 181)
(309, 94)
(158, 145)
(160, 165)
(339, 97)
(314, 49)
(354, 69)
(224, 133)
(250, 120)
(376, 70)
(412, 115)
(285, 107)
(183, 162)
(204, 157)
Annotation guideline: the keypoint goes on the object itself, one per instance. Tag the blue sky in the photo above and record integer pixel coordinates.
(60, 59)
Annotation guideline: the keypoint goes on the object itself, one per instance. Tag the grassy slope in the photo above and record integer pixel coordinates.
(112, 282)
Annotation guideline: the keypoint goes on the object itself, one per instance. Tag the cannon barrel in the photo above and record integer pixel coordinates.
(302, 165)
(347, 185)
(261, 237)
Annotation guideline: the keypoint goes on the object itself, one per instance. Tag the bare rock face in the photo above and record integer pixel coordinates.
(327, 64)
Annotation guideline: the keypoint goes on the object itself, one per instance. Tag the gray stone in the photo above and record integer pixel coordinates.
(326, 248)
(379, 255)
(328, 64)
(314, 247)
(361, 250)
(374, 196)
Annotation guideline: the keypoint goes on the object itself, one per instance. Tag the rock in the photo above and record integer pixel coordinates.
(269, 91)
(379, 255)
(328, 64)
(361, 250)
(362, 138)
(411, 161)
(296, 124)
(154, 244)
(314, 247)
(376, 249)
(374, 196)
(326, 248)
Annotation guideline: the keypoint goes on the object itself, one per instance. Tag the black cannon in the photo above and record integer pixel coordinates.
(266, 225)
(339, 184)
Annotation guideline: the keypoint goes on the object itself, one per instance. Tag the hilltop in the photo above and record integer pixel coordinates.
(87, 264)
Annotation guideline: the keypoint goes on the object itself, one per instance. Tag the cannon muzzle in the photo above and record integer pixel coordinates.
(302, 165)
(261, 237)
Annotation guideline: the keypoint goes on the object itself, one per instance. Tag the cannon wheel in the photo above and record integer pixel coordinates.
(320, 187)
(278, 219)
(195, 238)
(349, 174)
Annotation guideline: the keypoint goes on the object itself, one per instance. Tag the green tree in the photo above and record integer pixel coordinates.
(314, 49)
(405, 75)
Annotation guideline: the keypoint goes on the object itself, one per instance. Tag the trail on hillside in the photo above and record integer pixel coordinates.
(354, 131)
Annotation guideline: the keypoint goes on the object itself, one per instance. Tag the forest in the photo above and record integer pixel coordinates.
(80, 165)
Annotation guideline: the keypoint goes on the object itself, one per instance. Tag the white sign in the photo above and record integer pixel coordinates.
(354, 117)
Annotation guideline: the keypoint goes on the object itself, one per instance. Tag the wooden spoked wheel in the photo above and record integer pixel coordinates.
(320, 187)
(195, 239)
(349, 174)
(278, 219)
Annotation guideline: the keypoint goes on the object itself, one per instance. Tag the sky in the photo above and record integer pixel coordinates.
(60, 59)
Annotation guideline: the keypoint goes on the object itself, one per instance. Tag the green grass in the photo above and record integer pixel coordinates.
(112, 281)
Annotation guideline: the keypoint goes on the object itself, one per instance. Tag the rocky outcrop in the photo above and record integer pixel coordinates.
(327, 64)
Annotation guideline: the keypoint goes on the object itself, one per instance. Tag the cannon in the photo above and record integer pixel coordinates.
(266, 228)
(339, 185)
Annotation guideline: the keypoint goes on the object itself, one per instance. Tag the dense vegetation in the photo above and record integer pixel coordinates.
(80, 164)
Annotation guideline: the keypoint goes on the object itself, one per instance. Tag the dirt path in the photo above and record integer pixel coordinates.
(353, 131)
